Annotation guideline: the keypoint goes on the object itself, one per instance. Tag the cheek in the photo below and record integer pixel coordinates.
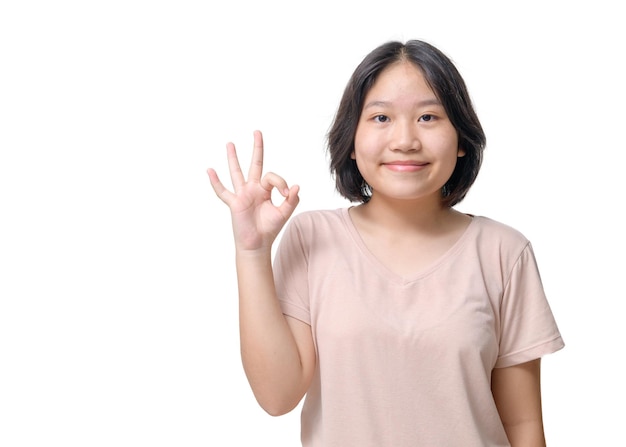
(365, 145)
(357, 144)
(362, 138)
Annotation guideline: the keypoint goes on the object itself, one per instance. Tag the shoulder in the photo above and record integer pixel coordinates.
(500, 247)
(316, 228)
(313, 219)
(498, 237)
(499, 228)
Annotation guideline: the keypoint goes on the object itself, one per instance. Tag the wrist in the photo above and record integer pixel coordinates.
(253, 254)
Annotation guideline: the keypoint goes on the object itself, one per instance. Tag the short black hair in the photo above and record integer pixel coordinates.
(446, 82)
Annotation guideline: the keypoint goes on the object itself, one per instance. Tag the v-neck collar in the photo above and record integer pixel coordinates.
(387, 273)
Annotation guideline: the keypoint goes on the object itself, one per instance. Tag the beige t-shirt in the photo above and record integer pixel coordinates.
(408, 361)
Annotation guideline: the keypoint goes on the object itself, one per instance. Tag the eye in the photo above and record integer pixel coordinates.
(381, 118)
(426, 118)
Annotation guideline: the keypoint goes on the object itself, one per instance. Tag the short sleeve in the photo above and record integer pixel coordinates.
(528, 328)
(291, 273)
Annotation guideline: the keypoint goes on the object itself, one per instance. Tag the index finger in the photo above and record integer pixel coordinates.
(256, 165)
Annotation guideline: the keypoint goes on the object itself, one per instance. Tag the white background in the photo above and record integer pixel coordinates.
(118, 317)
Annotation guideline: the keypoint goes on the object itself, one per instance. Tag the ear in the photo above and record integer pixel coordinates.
(353, 155)
(460, 152)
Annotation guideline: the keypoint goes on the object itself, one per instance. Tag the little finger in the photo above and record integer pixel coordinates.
(220, 191)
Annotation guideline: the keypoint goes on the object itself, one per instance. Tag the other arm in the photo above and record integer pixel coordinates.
(517, 393)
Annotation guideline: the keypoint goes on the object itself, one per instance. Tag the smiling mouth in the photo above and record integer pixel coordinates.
(405, 166)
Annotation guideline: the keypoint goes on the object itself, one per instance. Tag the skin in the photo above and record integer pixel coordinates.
(277, 352)
(517, 393)
(406, 149)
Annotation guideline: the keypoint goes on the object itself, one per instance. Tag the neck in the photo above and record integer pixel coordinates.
(405, 215)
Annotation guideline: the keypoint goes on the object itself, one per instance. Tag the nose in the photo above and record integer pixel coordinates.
(405, 136)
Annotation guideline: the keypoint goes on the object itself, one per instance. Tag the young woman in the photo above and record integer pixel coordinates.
(402, 320)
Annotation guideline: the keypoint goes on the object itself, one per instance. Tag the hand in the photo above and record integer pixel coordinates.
(256, 220)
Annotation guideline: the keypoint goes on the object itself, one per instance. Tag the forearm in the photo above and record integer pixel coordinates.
(269, 350)
(526, 434)
(517, 393)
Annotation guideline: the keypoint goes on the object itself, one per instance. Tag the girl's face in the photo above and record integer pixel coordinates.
(405, 146)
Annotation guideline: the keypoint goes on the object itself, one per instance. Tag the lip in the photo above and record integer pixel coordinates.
(405, 165)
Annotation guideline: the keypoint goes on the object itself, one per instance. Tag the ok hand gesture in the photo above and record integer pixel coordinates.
(256, 220)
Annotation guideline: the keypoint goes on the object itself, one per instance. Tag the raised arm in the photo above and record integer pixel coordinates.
(277, 351)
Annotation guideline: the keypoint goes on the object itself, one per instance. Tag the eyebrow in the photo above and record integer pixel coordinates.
(426, 102)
